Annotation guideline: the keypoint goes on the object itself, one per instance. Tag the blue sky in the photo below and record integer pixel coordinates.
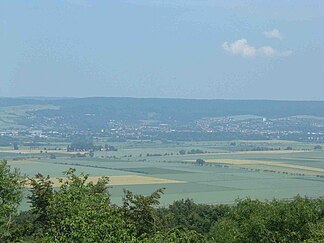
(171, 48)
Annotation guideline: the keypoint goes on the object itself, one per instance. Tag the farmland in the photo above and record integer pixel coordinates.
(230, 172)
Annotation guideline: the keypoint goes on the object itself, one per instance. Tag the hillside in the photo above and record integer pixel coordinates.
(95, 112)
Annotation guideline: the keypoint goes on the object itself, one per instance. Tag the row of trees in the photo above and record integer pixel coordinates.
(192, 151)
(81, 211)
(88, 146)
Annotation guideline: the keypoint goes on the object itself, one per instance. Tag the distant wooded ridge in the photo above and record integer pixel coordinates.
(166, 109)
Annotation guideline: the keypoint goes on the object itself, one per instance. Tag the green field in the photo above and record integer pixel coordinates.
(229, 173)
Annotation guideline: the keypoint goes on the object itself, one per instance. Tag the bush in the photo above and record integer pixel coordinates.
(274, 221)
(10, 196)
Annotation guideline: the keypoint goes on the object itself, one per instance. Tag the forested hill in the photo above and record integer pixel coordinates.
(185, 109)
(102, 109)
(176, 108)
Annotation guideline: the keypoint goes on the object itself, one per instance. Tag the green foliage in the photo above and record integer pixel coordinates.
(41, 194)
(177, 235)
(182, 152)
(81, 212)
(24, 227)
(317, 233)
(200, 162)
(15, 146)
(274, 221)
(91, 154)
(10, 197)
(195, 151)
(192, 216)
(140, 211)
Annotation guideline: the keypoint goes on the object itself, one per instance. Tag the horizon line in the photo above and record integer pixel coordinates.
(166, 98)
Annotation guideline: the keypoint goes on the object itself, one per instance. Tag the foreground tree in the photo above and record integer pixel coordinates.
(274, 221)
(141, 211)
(41, 193)
(10, 197)
(81, 211)
(192, 216)
(176, 235)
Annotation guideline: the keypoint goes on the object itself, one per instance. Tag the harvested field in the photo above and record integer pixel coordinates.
(267, 152)
(286, 170)
(232, 161)
(228, 175)
(127, 180)
(300, 167)
(306, 159)
(269, 163)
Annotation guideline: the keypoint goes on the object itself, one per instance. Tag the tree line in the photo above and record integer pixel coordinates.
(81, 211)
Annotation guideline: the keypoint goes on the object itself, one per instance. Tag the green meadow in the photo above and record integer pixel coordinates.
(231, 171)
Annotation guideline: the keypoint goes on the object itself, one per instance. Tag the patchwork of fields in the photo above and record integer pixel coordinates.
(227, 175)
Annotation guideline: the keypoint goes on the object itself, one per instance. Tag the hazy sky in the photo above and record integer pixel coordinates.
(163, 48)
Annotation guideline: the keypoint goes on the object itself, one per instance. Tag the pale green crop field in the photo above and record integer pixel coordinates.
(232, 174)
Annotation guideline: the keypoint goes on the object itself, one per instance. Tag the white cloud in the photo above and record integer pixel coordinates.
(273, 34)
(243, 48)
(240, 47)
(267, 51)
